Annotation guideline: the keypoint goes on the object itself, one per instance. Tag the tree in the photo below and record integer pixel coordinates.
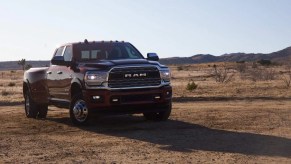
(22, 63)
(28, 66)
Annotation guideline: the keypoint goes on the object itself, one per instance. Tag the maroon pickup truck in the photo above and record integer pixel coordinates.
(92, 78)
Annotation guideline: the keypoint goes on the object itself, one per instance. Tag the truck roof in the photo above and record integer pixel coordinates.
(93, 42)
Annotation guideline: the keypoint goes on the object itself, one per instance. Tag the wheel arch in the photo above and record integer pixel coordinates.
(75, 88)
(25, 87)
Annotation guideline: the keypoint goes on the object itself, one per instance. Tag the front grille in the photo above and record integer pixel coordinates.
(134, 77)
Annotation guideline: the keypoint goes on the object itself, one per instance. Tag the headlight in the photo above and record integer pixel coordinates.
(95, 78)
(165, 75)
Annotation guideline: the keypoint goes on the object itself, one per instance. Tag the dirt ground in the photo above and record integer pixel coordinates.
(199, 131)
(244, 121)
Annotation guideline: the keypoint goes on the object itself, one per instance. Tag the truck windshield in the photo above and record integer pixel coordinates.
(107, 51)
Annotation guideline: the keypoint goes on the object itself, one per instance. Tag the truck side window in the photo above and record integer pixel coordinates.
(59, 52)
(85, 55)
(68, 53)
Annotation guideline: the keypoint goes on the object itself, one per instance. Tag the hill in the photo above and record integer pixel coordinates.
(281, 56)
(12, 65)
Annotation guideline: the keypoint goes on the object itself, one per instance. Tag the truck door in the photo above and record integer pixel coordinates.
(65, 76)
(59, 77)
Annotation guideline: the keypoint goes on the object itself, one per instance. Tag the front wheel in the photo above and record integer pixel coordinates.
(159, 116)
(79, 112)
(30, 106)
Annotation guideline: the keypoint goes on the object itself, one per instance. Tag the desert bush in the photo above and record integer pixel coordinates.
(254, 65)
(269, 74)
(264, 62)
(262, 74)
(222, 74)
(179, 68)
(286, 77)
(242, 61)
(191, 86)
(11, 84)
(4, 93)
(241, 67)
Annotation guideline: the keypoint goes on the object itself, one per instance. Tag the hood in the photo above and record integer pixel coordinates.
(106, 64)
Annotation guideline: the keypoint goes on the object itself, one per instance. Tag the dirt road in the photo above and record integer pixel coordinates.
(240, 131)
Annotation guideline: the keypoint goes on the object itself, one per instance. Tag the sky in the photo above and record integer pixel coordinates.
(33, 29)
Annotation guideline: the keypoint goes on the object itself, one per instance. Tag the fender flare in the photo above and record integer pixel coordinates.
(27, 83)
(73, 82)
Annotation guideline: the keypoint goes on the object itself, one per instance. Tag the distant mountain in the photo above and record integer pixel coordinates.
(12, 65)
(281, 56)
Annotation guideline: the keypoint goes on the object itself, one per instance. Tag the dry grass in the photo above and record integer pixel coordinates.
(241, 86)
(11, 86)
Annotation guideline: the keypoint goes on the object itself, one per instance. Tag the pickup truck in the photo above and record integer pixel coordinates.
(99, 77)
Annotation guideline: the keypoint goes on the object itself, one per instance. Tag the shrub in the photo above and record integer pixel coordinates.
(265, 62)
(240, 61)
(191, 86)
(270, 74)
(241, 67)
(222, 74)
(4, 93)
(254, 65)
(179, 68)
(11, 84)
(262, 74)
(286, 78)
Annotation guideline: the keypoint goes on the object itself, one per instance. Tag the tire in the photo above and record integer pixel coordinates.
(42, 113)
(30, 107)
(159, 116)
(79, 113)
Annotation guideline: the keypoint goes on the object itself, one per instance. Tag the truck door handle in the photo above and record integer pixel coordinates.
(49, 72)
(59, 72)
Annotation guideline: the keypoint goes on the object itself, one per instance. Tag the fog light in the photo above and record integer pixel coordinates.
(114, 100)
(96, 97)
(157, 97)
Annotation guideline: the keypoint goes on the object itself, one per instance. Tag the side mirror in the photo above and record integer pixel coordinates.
(59, 60)
(152, 56)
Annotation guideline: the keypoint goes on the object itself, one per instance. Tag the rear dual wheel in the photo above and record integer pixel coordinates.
(33, 110)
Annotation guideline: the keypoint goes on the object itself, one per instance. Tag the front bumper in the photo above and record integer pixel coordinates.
(129, 100)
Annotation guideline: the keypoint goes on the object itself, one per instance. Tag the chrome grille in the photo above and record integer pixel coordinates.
(134, 77)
